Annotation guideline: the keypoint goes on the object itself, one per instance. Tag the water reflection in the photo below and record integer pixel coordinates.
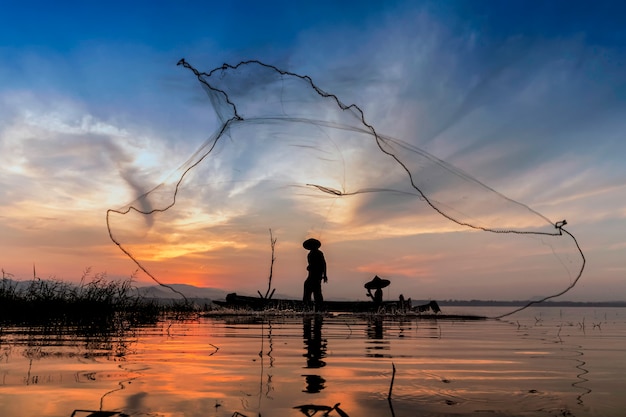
(97, 413)
(39, 344)
(375, 334)
(310, 410)
(31, 352)
(40, 341)
(315, 347)
(283, 366)
(375, 328)
(268, 384)
(581, 380)
(582, 371)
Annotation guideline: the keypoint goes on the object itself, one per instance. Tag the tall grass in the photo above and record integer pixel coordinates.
(95, 302)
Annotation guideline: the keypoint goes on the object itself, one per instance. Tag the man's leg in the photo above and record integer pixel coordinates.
(317, 294)
(308, 291)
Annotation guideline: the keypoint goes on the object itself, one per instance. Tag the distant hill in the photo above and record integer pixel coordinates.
(189, 291)
(519, 303)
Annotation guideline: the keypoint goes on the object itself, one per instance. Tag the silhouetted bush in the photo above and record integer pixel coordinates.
(93, 303)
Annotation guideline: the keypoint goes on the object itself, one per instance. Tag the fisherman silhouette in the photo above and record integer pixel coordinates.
(376, 284)
(317, 273)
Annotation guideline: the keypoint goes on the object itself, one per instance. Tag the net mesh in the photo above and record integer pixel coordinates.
(290, 157)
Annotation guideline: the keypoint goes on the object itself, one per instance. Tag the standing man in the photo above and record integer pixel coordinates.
(317, 273)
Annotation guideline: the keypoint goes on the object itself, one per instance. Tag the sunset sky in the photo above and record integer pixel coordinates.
(529, 98)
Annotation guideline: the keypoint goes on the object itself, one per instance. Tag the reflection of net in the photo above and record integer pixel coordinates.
(291, 157)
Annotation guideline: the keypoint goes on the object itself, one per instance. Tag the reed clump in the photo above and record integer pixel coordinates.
(95, 302)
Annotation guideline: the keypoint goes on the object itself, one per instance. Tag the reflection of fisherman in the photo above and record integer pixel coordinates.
(375, 330)
(376, 284)
(317, 273)
(315, 352)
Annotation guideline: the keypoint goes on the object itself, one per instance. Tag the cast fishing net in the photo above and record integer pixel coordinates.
(287, 156)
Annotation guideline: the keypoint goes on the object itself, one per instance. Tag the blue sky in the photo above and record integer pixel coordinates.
(527, 97)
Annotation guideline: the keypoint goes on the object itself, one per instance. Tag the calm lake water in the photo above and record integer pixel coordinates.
(543, 361)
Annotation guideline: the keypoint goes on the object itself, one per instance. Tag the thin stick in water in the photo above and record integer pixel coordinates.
(393, 376)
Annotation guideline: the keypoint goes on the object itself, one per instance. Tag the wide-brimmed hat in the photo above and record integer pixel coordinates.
(377, 283)
(311, 244)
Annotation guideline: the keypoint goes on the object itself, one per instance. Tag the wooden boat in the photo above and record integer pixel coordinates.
(431, 309)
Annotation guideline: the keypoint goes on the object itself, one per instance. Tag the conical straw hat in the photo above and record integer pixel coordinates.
(311, 244)
(376, 283)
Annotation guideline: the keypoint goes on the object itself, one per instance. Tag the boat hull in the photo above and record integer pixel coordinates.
(245, 303)
(259, 304)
